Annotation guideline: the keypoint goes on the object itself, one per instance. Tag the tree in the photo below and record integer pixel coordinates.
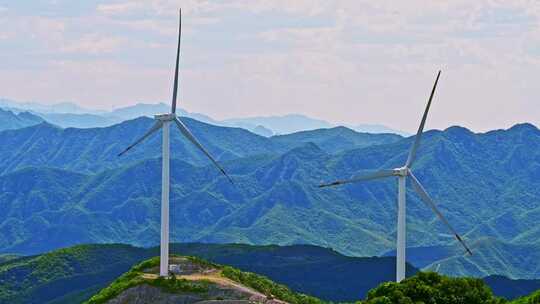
(432, 288)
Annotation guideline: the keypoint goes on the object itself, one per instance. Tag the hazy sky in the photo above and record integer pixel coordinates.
(343, 61)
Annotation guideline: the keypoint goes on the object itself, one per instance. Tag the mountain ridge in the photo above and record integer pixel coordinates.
(71, 115)
(10, 120)
(276, 199)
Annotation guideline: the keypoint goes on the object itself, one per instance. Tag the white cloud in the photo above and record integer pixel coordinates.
(161, 7)
(119, 8)
(94, 44)
(45, 32)
(347, 61)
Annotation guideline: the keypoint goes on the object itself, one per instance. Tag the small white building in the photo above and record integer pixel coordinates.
(175, 268)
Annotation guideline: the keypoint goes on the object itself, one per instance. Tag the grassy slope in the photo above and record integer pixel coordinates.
(534, 298)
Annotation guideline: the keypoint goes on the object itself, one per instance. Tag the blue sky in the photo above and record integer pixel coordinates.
(343, 61)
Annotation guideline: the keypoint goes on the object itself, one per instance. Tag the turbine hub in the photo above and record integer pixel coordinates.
(165, 117)
(403, 171)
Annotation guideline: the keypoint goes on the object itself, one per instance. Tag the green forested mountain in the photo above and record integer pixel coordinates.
(76, 272)
(94, 150)
(335, 139)
(491, 256)
(66, 186)
(513, 289)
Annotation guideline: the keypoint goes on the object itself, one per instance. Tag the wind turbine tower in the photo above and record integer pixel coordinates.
(163, 122)
(402, 173)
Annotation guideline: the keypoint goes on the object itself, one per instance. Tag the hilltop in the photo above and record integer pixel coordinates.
(71, 115)
(195, 281)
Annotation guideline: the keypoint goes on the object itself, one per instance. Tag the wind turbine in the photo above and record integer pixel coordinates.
(162, 122)
(402, 174)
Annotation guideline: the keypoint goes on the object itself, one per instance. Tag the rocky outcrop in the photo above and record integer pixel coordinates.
(217, 294)
(145, 294)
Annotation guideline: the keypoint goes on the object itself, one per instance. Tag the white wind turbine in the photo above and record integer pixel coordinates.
(402, 174)
(162, 122)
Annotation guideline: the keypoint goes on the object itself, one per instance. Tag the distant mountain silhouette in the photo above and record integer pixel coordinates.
(71, 115)
(10, 120)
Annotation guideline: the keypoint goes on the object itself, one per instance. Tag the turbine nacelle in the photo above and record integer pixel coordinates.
(403, 171)
(165, 117)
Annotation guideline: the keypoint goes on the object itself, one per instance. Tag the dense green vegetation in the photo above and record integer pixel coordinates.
(65, 186)
(531, 299)
(428, 287)
(432, 288)
(65, 272)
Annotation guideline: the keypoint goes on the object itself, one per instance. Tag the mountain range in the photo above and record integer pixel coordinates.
(95, 149)
(66, 186)
(68, 115)
(10, 120)
(33, 106)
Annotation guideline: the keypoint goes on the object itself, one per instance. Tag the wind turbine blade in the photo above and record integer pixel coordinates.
(363, 177)
(152, 130)
(185, 131)
(412, 153)
(175, 87)
(428, 201)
